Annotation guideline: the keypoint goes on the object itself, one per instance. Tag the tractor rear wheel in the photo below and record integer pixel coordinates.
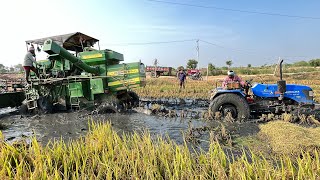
(232, 104)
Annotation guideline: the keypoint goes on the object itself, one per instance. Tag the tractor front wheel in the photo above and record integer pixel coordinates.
(230, 104)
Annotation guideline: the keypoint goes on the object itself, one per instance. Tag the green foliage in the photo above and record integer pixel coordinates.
(19, 67)
(2, 68)
(179, 68)
(192, 64)
(229, 63)
(314, 62)
(211, 69)
(301, 63)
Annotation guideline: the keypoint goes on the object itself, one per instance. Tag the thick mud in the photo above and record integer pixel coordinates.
(71, 125)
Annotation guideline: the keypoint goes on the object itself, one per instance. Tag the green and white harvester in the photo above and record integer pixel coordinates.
(75, 76)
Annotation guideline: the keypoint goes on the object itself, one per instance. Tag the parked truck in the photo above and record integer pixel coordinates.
(160, 71)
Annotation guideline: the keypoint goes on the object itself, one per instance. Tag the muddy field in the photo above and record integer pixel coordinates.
(72, 125)
(179, 118)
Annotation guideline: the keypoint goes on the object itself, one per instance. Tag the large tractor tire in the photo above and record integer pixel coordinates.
(109, 108)
(45, 104)
(232, 104)
(23, 109)
(134, 99)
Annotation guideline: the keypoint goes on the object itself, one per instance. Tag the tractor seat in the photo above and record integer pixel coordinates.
(233, 85)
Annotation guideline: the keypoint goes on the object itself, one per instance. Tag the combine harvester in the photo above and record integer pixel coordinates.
(77, 76)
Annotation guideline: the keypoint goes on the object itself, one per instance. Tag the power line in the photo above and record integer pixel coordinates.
(150, 43)
(237, 10)
(239, 50)
(189, 40)
(178, 41)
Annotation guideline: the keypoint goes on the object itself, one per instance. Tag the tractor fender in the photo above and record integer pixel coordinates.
(220, 92)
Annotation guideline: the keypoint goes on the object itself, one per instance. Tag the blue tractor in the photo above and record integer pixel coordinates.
(265, 98)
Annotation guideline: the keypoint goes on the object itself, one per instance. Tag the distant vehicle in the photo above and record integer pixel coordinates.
(194, 74)
(191, 72)
(161, 71)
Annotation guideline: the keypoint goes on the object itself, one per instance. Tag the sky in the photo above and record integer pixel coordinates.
(169, 32)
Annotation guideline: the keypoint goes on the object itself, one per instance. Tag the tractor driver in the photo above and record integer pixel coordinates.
(232, 77)
(29, 59)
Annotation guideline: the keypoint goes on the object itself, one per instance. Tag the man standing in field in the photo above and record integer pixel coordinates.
(29, 59)
(182, 78)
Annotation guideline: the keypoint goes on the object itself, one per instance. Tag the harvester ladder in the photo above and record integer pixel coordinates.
(31, 102)
(74, 100)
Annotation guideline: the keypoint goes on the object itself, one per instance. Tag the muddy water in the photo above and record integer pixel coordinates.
(72, 125)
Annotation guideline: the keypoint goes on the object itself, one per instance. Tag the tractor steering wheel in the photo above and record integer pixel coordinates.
(249, 83)
(247, 86)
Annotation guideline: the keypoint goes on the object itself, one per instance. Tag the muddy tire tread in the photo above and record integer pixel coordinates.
(239, 102)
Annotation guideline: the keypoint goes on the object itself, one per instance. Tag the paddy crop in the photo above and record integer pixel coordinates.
(168, 87)
(103, 154)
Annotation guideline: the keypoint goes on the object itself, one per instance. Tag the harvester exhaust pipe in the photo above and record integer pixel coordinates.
(281, 83)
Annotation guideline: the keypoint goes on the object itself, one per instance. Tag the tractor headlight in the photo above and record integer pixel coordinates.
(310, 93)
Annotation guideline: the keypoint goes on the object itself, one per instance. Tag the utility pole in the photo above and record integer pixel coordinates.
(155, 67)
(198, 54)
(207, 71)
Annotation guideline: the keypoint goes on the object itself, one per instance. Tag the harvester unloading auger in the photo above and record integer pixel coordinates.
(87, 78)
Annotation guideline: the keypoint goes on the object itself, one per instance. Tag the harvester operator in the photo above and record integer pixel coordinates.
(29, 59)
(232, 77)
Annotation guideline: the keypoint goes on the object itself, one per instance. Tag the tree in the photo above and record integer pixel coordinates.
(229, 63)
(314, 62)
(19, 67)
(192, 64)
(211, 69)
(179, 68)
(249, 65)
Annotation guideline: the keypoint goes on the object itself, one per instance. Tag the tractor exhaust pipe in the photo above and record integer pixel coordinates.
(281, 83)
(280, 69)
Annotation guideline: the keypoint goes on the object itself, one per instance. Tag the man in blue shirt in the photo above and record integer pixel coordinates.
(182, 78)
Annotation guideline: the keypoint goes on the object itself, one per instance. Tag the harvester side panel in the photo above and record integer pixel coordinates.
(123, 76)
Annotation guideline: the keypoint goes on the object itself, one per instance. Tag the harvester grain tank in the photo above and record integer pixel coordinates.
(77, 76)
